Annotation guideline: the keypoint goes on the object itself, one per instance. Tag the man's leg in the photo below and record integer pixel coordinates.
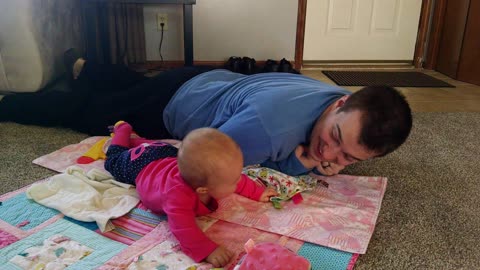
(88, 75)
(141, 105)
(106, 77)
(52, 108)
(92, 112)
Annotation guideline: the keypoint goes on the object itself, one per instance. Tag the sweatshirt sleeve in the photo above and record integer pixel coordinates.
(290, 166)
(181, 219)
(249, 188)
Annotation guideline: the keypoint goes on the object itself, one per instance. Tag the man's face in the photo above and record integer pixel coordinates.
(335, 137)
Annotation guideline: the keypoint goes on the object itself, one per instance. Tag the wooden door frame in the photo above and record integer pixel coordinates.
(435, 34)
(428, 36)
(300, 39)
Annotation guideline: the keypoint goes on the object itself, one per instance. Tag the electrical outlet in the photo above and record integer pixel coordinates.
(162, 18)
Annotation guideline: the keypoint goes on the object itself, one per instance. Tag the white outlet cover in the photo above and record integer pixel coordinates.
(162, 17)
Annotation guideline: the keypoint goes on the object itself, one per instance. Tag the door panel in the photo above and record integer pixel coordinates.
(361, 29)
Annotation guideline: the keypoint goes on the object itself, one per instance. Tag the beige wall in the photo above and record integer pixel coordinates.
(262, 29)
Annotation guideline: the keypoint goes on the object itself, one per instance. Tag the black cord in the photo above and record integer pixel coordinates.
(160, 46)
(160, 68)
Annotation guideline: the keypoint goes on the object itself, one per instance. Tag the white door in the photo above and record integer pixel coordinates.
(361, 29)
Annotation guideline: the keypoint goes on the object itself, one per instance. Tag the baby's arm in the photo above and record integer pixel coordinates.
(252, 190)
(193, 242)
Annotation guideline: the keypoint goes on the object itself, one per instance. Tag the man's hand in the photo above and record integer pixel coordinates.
(219, 257)
(324, 167)
(329, 168)
(269, 192)
(302, 154)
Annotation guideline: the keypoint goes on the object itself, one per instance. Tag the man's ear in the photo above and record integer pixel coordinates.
(340, 102)
(201, 190)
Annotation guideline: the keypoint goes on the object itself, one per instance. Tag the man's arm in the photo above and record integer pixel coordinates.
(291, 165)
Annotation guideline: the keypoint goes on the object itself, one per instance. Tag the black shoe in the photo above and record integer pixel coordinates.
(248, 65)
(270, 66)
(286, 66)
(234, 64)
(70, 56)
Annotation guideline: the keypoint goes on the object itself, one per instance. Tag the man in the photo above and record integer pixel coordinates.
(269, 115)
(285, 121)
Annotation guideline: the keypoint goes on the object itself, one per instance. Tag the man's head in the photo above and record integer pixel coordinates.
(211, 162)
(371, 122)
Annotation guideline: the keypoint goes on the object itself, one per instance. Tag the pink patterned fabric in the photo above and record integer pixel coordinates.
(217, 230)
(68, 155)
(128, 224)
(352, 262)
(341, 216)
(6, 239)
(221, 232)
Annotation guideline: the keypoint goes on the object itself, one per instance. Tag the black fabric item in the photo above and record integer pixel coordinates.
(270, 66)
(248, 66)
(386, 78)
(44, 108)
(107, 77)
(286, 66)
(234, 64)
(244, 65)
(141, 105)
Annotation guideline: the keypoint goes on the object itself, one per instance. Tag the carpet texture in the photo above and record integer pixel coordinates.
(430, 216)
(388, 78)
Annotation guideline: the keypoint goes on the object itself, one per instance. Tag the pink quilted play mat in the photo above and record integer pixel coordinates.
(331, 225)
(341, 216)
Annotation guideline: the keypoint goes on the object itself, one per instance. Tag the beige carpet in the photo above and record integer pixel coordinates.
(430, 216)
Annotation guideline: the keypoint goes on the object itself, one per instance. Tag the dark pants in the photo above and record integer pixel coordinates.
(102, 95)
(125, 164)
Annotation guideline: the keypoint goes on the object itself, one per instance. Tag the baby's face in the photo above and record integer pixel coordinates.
(225, 179)
(223, 187)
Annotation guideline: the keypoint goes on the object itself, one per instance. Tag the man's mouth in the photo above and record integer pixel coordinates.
(318, 153)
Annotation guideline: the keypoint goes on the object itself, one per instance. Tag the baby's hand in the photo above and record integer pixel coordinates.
(267, 193)
(219, 257)
(302, 154)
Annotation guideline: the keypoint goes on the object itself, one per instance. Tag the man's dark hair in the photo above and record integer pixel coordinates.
(386, 117)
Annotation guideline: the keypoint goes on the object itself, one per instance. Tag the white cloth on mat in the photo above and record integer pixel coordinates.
(91, 196)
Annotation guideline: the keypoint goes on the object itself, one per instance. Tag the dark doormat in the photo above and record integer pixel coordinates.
(394, 79)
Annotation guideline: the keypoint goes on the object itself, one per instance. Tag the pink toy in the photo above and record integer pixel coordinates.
(271, 256)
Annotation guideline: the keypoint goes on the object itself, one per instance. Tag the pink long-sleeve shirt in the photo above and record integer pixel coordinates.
(162, 190)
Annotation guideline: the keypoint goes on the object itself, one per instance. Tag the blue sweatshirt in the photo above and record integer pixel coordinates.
(267, 114)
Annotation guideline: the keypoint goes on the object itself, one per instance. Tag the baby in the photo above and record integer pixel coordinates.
(208, 167)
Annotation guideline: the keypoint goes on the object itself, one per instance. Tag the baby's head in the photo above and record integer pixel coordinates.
(210, 161)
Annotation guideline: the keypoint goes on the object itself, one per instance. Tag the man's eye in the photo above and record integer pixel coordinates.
(335, 138)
